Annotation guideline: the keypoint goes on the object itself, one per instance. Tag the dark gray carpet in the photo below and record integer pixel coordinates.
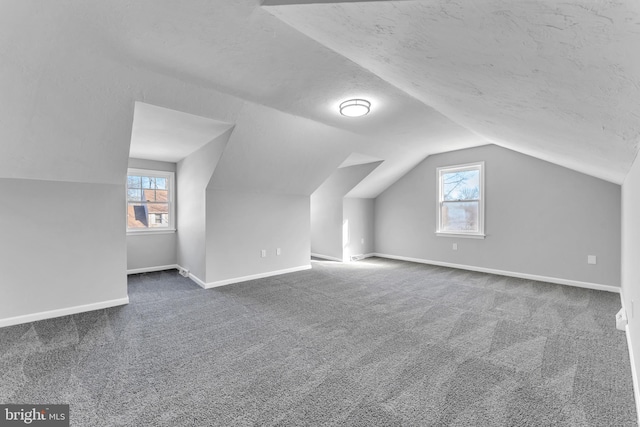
(372, 343)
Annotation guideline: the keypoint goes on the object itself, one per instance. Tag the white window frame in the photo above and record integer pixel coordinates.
(440, 201)
(171, 176)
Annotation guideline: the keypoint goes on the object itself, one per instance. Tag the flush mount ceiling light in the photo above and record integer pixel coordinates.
(355, 107)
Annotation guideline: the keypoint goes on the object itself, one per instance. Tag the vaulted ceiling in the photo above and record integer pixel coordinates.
(559, 81)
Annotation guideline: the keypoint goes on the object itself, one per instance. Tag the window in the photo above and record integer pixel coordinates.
(461, 200)
(150, 201)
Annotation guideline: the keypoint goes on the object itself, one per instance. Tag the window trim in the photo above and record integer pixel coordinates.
(480, 234)
(171, 176)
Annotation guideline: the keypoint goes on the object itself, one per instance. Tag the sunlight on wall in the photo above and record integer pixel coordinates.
(345, 240)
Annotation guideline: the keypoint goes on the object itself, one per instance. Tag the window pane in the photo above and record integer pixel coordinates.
(147, 182)
(155, 195)
(133, 181)
(160, 220)
(134, 195)
(161, 195)
(148, 200)
(147, 215)
(159, 211)
(460, 216)
(462, 185)
(137, 216)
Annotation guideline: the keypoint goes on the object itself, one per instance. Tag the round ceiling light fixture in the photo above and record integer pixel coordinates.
(355, 108)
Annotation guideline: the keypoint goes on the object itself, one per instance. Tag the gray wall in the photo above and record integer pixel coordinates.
(151, 250)
(326, 217)
(258, 196)
(359, 215)
(194, 173)
(631, 255)
(63, 245)
(241, 224)
(541, 219)
(327, 209)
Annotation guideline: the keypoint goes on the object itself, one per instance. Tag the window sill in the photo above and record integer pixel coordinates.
(462, 235)
(147, 232)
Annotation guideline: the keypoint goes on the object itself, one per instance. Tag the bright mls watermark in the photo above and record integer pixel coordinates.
(34, 415)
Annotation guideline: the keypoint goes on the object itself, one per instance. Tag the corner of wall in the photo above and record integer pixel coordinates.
(634, 372)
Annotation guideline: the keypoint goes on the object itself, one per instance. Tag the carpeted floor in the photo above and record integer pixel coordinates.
(372, 343)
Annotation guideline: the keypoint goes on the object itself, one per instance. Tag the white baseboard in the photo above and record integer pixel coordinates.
(576, 283)
(199, 282)
(26, 318)
(152, 269)
(332, 258)
(327, 257)
(634, 373)
(225, 282)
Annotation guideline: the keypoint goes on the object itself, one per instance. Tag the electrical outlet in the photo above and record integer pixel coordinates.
(362, 240)
(591, 259)
(455, 246)
(264, 253)
(278, 251)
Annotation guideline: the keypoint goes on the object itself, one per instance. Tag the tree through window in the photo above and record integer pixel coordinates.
(460, 200)
(149, 200)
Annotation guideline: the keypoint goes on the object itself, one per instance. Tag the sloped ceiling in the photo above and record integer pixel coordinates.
(355, 159)
(560, 81)
(169, 136)
(274, 152)
(555, 80)
(241, 49)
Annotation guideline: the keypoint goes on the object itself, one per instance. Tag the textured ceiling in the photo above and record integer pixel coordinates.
(560, 81)
(239, 48)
